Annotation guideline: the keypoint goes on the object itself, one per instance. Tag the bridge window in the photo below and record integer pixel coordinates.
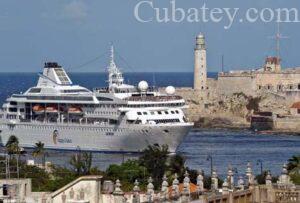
(13, 103)
(104, 99)
(35, 90)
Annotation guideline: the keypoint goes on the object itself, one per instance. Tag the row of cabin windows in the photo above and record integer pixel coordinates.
(279, 87)
(158, 112)
(154, 105)
(101, 112)
(167, 121)
(73, 128)
(14, 110)
(115, 105)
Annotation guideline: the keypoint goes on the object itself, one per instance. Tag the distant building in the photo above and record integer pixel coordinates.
(272, 64)
(270, 78)
(200, 69)
(295, 109)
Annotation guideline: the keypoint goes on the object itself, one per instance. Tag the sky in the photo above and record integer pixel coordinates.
(78, 33)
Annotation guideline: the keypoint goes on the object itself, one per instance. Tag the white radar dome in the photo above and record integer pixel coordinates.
(170, 90)
(143, 86)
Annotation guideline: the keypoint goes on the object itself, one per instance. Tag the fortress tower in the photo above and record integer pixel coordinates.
(200, 70)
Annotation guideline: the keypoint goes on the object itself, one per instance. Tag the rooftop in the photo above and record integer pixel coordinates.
(296, 105)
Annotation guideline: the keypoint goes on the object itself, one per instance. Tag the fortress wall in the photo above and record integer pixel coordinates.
(196, 99)
(290, 123)
(275, 79)
(228, 85)
(293, 96)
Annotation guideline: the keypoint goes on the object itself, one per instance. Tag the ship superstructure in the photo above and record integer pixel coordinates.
(117, 118)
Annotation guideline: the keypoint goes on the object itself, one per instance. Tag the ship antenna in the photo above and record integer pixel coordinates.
(112, 53)
(153, 79)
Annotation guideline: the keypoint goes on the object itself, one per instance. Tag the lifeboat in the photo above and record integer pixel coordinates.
(75, 110)
(38, 109)
(51, 109)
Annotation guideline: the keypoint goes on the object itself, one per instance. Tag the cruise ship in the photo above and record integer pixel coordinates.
(117, 118)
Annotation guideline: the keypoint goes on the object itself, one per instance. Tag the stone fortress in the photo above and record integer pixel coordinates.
(227, 97)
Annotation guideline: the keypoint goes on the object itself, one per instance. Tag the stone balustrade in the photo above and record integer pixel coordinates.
(246, 191)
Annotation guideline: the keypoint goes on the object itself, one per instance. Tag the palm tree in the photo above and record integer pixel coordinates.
(12, 148)
(12, 145)
(39, 150)
(81, 163)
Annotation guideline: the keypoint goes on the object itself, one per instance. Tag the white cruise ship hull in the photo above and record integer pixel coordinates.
(123, 139)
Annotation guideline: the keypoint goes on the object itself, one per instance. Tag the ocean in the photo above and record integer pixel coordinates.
(225, 146)
(11, 83)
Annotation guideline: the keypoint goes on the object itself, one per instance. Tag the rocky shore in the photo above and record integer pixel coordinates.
(208, 109)
(218, 122)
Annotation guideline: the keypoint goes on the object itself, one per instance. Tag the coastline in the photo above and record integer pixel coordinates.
(213, 123)
(245, 128)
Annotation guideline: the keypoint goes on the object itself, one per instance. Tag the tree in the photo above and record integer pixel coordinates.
(39, 150)
(293, 163)
(12, 145)
(87, 158)
(127, 173)
(154, 158)
(82, 163)
(177, 165)
(294, 168)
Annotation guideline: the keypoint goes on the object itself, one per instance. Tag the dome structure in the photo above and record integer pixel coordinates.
(143, 86)
(170, 90)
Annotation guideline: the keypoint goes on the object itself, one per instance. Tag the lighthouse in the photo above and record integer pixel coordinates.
(200, 69)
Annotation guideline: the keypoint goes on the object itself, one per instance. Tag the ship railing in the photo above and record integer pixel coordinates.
(154, 98)
(96, 123)
(101, 89)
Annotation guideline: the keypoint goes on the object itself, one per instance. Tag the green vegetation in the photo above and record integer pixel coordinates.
(294, 169)
(155, 161)
(127, 173)
(82, 163)
(53, 178)
(12, 145)
(39, 151)
(261, 178)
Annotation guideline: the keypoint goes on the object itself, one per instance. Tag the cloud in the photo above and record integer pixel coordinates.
(76, 10)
